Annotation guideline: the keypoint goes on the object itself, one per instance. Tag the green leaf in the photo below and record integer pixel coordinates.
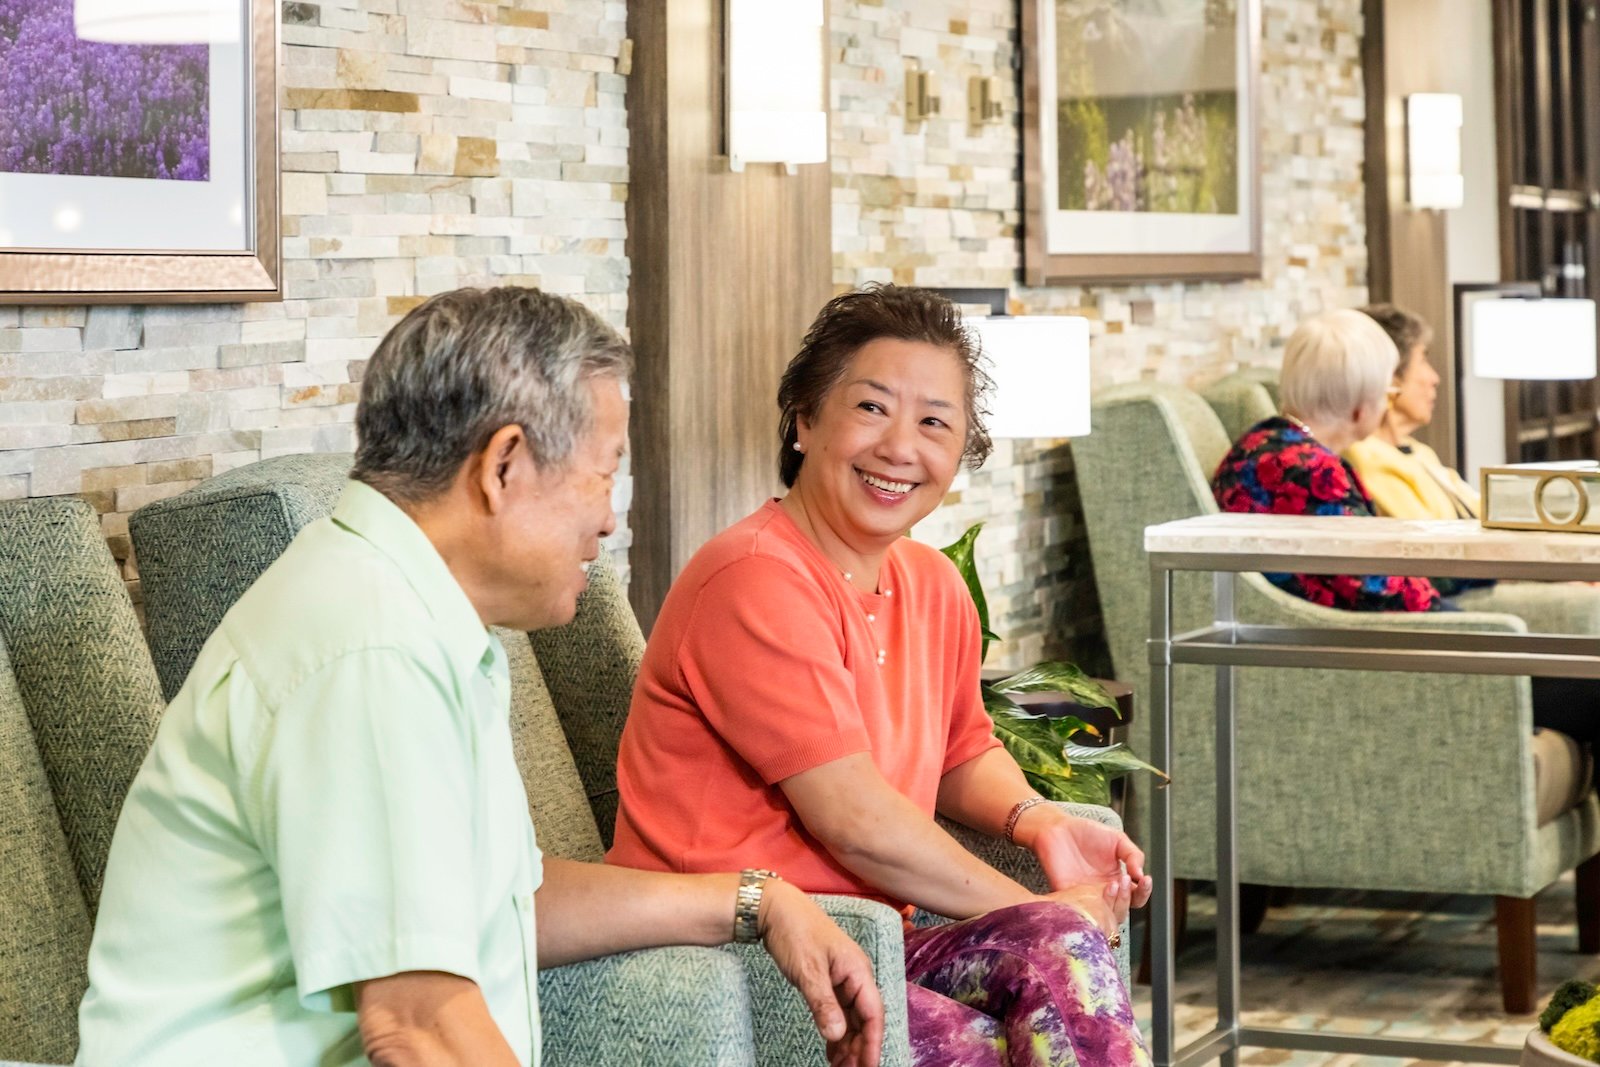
(1063, 726)
(1091, 786)
(961, 554)
(1115, 759)
(1054, 676)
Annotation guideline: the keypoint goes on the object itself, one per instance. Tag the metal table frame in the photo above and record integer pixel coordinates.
(1227, 644)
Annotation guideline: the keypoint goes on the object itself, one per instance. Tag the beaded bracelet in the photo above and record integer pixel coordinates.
(1016, 813)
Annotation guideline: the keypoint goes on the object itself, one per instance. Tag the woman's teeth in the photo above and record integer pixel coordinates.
(886, 485)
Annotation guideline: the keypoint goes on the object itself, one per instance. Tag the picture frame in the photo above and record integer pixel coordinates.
(193, 219)
(1176, 194)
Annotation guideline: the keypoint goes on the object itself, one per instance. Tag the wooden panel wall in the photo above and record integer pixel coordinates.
(1406, 247)
(727, 271)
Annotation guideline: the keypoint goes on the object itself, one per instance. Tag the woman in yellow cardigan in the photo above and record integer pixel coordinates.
(1405, 477)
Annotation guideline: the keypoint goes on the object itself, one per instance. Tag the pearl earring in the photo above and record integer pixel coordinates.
(797, 447)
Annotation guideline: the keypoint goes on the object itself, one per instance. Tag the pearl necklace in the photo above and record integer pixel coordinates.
(872, 619)
(1300, 424)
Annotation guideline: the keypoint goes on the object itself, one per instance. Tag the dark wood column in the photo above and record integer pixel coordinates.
(728, 270)
(1406, 262)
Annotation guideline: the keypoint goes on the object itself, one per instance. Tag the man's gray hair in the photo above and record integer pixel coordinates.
(465, 364)
(1335, 363)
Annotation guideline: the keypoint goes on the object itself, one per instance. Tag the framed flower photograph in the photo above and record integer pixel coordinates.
(1140, 149)
(138, 154)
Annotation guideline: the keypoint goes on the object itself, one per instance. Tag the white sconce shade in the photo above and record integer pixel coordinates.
(1433, 150)
(1040, 367)
(158, 21)
(777, 88)
(1533, 340)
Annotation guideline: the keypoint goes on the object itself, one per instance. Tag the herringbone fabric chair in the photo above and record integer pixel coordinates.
(78, 708)
(581, 676)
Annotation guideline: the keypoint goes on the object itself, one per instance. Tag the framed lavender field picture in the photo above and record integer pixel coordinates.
(138, 161)
(1140, 157)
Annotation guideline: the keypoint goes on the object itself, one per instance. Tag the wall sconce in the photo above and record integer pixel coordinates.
(1040, 367)
(983, 101)
(922, 96)
(1433, 150)
(158, 21)
(776, 84)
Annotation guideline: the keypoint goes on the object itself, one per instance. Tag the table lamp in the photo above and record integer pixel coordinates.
(1040, 367)
(1550, 339)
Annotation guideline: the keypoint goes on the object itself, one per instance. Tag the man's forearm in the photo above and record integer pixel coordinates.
(586, 910)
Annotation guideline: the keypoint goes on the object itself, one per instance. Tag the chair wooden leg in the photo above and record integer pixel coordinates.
(1180, 900)
(1514, 921)
(1589, 905)
(1253, 903)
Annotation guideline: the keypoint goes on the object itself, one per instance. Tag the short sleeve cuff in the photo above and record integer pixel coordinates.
(321, 974)
(970, 747)
(802, 758)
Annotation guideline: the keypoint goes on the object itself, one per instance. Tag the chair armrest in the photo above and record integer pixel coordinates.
(1546, 607)
(784, 1033)
(681, 1006)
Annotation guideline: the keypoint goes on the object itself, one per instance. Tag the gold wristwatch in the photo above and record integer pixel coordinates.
(747, 906)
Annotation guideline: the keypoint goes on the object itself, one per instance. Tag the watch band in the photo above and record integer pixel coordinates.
(747, 905)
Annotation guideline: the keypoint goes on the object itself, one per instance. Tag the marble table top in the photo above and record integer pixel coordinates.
(1449, 546)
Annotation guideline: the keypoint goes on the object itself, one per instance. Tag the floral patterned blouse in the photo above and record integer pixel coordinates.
(1277, 468)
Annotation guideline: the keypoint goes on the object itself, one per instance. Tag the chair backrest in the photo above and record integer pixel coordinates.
(570, 686)
(188, 547)
(1312, 744)
(78, 708)
(1243, 399)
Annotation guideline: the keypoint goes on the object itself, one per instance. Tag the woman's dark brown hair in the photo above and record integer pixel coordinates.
(1404, 329)
(852, 320)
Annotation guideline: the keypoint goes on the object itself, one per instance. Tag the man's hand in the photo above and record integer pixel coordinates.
(829, 970)
(1075, 851)
(428, 1019)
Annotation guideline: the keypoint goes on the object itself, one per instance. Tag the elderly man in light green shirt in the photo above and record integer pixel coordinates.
(327, 858)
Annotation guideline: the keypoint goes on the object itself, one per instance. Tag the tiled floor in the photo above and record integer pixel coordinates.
(1410, 965)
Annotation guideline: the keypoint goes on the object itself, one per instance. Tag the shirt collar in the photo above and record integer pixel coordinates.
(377, 520)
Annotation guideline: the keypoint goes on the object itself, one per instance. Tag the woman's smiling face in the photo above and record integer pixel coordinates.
(886, 442)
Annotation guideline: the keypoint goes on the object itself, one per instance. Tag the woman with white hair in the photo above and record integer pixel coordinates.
(1334, 389)
(1336, 373)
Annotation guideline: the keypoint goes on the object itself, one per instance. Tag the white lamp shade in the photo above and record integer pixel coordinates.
(1533, 340)
(158, 21)
(1040, 367)
(776, 82)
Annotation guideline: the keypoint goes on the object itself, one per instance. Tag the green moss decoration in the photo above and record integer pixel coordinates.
(1567, 996)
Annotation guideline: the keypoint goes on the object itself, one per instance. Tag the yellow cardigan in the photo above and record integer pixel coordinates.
(1414, 485)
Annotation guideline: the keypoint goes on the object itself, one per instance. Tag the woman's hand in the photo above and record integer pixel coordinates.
(1106, 904)
(829, 970)
(1074, 852)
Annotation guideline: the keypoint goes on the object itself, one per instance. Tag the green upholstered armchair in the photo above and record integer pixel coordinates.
(571, 687)
(78, 709)
(1243, 399)
(1346, 779)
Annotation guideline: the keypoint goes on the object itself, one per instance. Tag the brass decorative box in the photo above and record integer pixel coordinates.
(1542, 496)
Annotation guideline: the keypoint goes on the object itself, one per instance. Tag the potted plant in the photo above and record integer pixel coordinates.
(1043, 746)
(1569, 1029)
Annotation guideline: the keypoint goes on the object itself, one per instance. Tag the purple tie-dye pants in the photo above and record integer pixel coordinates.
(1029, 986)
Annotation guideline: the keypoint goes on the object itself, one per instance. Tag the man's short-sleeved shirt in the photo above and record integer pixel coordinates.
(331, 797)
(765, 662)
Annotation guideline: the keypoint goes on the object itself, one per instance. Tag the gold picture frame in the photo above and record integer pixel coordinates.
(42, 275)
(1067, 246)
